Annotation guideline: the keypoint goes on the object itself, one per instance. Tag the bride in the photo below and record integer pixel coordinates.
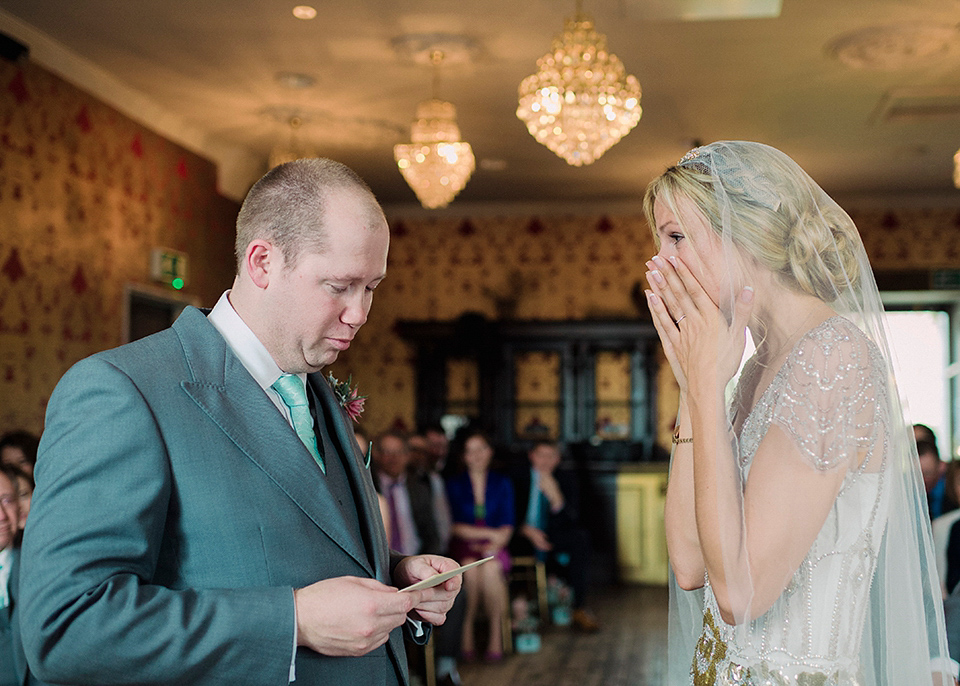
(795, 519)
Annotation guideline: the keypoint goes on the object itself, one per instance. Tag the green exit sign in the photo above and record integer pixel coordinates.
(169, 267)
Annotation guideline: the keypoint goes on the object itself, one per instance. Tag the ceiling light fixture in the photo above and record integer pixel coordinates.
(295, 80)
(304, 12)
(293, 148)
(436, 164)
(581, 101)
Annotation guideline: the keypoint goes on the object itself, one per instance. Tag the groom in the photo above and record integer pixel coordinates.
(202, 513)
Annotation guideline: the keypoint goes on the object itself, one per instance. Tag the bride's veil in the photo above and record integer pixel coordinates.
(903, 640)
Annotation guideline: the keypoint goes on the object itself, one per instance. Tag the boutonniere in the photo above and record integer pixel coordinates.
(349, 398)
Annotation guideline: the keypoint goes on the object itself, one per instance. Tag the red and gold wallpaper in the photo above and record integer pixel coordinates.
(85, 194)
(558, 267)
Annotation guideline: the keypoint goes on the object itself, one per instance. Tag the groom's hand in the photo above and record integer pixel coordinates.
(350, 616)
(434, 603)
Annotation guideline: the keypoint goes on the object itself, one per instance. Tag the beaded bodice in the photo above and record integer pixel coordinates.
(830, 399)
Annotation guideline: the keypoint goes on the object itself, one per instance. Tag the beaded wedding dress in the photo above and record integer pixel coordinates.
(830, 397)
(863, 606)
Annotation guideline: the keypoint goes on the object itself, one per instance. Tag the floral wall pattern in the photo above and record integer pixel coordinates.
(85, 193)
(558, 267)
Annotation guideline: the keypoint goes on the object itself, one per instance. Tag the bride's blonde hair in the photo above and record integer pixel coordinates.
(777, 214)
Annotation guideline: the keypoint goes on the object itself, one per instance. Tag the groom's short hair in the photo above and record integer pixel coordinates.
(287, 207)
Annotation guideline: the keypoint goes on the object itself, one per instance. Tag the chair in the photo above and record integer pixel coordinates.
(506, 627)
(429, 663)
(421, 662)
(533, 571)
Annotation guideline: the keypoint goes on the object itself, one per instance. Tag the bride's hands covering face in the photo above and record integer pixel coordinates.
(699, 342)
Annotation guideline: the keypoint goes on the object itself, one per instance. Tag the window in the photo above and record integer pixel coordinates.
(921, 351)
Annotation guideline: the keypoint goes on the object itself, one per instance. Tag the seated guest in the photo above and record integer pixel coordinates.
(550, 529)
(10, 662)
(24, 487)
(934, 471)
(364, 444)
(424, 462)
(481, 502)
(922, 432)
(439, 446)
(412, 528)
(946, 535)
(427, 458)
(19, 449)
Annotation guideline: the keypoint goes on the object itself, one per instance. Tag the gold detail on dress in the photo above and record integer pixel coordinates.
(711, 666)
(710, 654)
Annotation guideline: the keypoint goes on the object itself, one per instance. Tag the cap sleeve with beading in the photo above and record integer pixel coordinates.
(832, 395)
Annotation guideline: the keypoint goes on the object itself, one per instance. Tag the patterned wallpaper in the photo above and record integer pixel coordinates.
(558, 267)
(563, 267)
(85, 193)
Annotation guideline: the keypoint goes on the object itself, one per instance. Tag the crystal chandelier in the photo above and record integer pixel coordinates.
(581, 101)
(436, 164)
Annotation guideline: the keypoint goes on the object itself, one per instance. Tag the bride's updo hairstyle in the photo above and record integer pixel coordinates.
(761, 201)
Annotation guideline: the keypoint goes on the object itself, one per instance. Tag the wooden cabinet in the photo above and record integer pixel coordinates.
(579, 382)
(587, 384)
(641, 539)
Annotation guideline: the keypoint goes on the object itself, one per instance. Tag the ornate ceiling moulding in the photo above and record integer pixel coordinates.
(895, 47)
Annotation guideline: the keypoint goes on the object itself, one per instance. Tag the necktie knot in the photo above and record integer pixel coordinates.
(291, 390)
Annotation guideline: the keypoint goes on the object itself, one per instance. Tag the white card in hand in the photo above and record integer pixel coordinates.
(438, 579)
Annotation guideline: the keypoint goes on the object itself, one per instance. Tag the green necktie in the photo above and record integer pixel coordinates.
(294, 395)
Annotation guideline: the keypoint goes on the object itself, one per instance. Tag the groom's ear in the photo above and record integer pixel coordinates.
(261, 260)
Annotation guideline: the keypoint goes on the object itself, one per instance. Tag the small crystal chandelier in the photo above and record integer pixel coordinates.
(437, 164)
(581, 101)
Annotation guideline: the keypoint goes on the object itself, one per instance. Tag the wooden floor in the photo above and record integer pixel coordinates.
(629, 650)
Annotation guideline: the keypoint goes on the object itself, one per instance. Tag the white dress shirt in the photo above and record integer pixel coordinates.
(252, 353)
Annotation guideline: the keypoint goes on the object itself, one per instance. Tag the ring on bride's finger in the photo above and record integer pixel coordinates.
(677, 321)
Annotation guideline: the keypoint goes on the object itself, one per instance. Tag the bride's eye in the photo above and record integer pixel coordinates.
(676, 237)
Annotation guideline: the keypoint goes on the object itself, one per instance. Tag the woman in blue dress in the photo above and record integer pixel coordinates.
(481, 502)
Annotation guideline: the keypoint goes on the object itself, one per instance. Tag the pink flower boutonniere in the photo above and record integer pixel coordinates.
(349, 398)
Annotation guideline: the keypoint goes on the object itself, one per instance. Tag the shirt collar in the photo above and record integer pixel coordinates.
(244, 343)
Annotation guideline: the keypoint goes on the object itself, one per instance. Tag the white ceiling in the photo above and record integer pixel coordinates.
(204, 73)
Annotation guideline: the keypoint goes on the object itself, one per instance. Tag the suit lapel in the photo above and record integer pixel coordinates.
(225, 391)
(341, 433)
(359, 474)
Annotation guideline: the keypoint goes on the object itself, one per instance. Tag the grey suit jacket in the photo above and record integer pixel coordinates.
(175, 511)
